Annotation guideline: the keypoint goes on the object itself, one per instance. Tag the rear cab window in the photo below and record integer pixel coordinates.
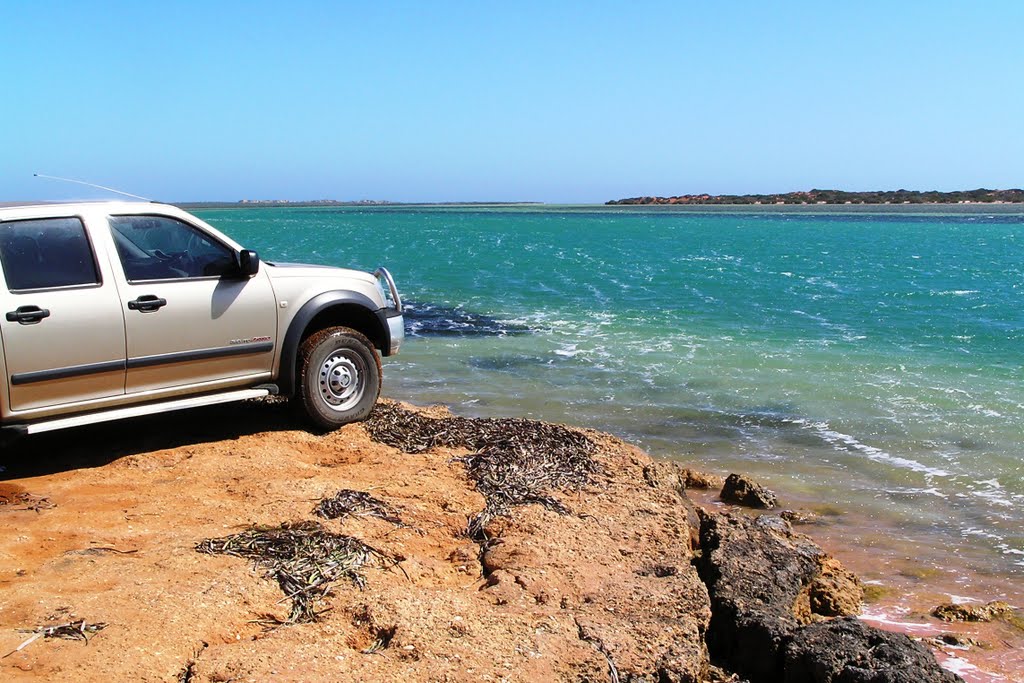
(47, 253)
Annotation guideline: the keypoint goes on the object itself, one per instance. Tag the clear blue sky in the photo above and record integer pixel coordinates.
(548, 101)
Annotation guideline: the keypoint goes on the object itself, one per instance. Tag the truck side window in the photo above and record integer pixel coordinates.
(160, 248)
(46, 253)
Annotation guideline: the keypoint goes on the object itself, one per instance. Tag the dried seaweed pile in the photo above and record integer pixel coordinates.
(304, 559)
(517, 462)
(349, 503)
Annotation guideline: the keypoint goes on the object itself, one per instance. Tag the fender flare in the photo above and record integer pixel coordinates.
(306, 314)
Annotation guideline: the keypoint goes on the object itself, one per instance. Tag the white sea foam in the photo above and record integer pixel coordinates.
(932, 491)
(849, 443)
(876, 616)
(568, 352)
(982, 410)
(815, 280)
(981, 533)
(959, 666)
(950, 390)
(994, 493)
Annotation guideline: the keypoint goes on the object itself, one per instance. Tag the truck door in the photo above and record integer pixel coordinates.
(189, 318)
(61, 323)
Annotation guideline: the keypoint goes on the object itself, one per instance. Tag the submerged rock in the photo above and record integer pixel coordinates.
(849, 651)
(987, 612)
(800, 517)
(957, 640)
(743, 490)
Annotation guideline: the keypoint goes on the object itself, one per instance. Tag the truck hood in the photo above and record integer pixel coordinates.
(277, 269)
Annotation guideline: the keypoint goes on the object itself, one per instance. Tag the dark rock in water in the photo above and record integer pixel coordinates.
(435, 320)
(766, 583)
(742, 490)
(987, 612)
(770, 589)
(755, 571)
(849, 651)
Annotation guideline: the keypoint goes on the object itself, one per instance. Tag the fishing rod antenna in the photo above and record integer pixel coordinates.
(99, 187)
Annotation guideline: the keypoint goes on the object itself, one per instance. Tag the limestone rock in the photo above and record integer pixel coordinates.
(836, 591)
(692, 479)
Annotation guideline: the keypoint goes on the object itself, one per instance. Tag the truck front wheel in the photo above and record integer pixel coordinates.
(339, 377)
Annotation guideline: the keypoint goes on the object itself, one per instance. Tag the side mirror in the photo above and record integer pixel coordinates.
(248, 263)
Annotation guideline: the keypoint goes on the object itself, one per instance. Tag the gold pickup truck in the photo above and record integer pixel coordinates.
(110, 310)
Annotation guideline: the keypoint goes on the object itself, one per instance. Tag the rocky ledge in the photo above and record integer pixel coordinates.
(418, 546)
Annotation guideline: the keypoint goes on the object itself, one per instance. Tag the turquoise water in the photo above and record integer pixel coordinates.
(873, 361)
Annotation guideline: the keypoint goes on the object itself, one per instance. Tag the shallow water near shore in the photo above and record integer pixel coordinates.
(866, 365)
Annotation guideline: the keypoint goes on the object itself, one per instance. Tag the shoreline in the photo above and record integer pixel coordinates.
(117, 545)
(923, 208)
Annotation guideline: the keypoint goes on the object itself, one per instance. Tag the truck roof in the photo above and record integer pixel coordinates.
(69, 202)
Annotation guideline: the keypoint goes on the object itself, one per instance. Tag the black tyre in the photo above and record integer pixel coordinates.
(339, 377)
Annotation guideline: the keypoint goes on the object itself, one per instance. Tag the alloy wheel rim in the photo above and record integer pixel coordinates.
(342, 379)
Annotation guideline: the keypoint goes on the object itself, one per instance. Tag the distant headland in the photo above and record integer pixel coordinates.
(979, 196)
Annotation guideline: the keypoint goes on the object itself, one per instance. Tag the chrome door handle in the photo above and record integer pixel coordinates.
(28, 315)
(147, 303)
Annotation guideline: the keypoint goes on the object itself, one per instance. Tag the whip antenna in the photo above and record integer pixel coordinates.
(82, 182)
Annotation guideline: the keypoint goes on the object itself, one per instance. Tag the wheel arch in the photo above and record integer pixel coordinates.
(330, 309)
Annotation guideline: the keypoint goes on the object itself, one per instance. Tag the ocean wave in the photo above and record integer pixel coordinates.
(961, 667)
(816, 280)
(980, 533)
(568, 351)
(995, 494)
(987, 412)
(884, 618)
(849, 443)
(916, 491)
